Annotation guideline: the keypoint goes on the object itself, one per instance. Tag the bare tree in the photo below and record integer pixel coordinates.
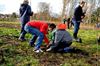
(43, 10)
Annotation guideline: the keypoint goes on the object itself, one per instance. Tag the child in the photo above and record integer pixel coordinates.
(52, 30)
(62, 39)
(64, 19)
(38, 29)
(68, 22)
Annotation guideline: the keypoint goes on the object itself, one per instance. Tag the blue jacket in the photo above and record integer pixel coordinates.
(25, 13)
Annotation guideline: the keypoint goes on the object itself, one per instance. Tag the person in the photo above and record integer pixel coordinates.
(62, 39)
(68, 23)
(78, 16)
(52, 30)
(64, 19)
(25, 13)
(38, 29)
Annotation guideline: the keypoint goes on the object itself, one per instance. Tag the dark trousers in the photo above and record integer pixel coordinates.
(60, 46)
(23, 32)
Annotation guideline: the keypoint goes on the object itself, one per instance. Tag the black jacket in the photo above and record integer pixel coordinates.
(78, 13)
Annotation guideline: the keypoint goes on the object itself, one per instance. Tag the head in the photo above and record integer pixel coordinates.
(65, 16)
(25, 2)
(68, 19)
(52, 26)
(61, 26)
(82, 3)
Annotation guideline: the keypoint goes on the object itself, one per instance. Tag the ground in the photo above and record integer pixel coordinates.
(16, 53)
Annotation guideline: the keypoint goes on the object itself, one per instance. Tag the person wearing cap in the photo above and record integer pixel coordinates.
(62, 39)
(78, 16)
(25, 13)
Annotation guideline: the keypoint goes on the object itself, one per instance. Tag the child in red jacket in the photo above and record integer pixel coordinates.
(38, 29)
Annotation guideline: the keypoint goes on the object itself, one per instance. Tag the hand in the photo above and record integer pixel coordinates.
(82, 17)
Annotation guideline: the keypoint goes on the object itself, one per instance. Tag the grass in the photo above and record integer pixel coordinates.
(16, 53)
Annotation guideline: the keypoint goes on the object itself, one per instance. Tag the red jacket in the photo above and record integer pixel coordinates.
(42, 26)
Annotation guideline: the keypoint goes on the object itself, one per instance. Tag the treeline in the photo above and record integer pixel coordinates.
(45, 13)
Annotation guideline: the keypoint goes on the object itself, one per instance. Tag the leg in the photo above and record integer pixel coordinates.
(37, 33)
(32, 41)
(60, 47)
(39, 41)
(23, 32)
(76, 29)
(68, 25)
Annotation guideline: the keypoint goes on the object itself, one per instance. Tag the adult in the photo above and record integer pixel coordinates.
(25, 13)
(78, 16)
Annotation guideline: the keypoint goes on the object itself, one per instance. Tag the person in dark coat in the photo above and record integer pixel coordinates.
(25, 13)
(78, 16)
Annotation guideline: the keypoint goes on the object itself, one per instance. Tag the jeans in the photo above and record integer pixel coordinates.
(35, 33)
(76, 27)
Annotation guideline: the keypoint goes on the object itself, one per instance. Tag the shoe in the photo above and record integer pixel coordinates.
(22, 39)
(77, 40)
(48, 50)
(37, 51)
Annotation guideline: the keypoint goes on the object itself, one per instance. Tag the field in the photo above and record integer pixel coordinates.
(16, 53)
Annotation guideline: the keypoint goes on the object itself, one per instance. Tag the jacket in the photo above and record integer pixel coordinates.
(42, 26)
(78, 13)
(62, 36)
(25, 12)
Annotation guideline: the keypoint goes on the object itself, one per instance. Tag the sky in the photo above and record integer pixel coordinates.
(10, 6)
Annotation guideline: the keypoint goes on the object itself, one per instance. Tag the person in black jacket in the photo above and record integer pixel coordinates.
(78, 16)
(25, 13)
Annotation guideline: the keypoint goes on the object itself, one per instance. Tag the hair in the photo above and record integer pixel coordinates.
(52, 25)
(25, 1)
(68, 19)
(82, 2)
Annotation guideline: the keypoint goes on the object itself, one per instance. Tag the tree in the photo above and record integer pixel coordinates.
(65, 2)
(14, 15)
(96, 15)
(44, 10)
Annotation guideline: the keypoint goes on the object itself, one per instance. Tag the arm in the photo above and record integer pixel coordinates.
(29, 11)
(76, 12)
(46, 39)
(20, 11)
(44, 30)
